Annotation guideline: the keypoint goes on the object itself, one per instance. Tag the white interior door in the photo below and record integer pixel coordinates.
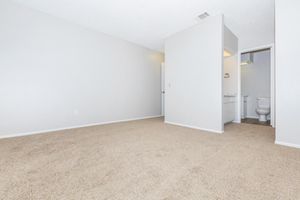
(163, 89)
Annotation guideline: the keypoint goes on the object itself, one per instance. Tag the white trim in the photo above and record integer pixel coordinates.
(74, 127)
(239, 92)
(272, 57)
(252, 117)
(194, 127)
(222, 78)
(162, 88)
(267, 46)
(257, 117)
(273, 99)
(237, 122)
(288, 144)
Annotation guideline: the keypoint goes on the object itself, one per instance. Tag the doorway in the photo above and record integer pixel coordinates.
(256, 86)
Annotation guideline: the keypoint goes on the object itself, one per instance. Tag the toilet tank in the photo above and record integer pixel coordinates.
(263, 102)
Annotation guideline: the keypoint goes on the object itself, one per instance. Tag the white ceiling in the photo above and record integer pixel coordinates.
(149, 22)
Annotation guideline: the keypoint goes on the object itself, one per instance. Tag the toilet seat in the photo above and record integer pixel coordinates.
(263, 111)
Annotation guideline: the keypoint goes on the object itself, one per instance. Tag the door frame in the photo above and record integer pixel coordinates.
(272, 96)
(162, 88)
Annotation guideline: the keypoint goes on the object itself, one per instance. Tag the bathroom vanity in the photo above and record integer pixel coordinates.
(229, 106)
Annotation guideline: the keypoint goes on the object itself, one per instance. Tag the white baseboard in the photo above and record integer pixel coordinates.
(255, 117)
(288, 144)
(194, 127)
(237, 121)
(74, 127)
(252, 117)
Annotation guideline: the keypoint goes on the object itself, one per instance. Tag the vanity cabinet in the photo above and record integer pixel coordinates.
(229, 102)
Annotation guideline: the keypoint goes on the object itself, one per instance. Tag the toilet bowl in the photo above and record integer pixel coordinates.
(263, 108)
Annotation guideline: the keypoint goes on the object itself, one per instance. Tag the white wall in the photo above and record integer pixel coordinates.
(256, 80)
(230, 63)
(194, 76)
(250, 42)
(54, 74)
(231, 42)
(230, 84)
(287, 72)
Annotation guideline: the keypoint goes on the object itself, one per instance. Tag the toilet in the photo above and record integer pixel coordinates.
(263, 108)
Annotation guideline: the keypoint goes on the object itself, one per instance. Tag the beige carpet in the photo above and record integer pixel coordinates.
(149, 160)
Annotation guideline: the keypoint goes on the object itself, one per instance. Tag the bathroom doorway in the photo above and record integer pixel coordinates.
(257, 86)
